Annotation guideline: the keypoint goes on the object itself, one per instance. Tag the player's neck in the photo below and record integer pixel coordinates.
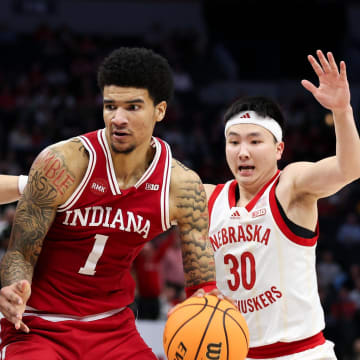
(129, 168)
(248, 190)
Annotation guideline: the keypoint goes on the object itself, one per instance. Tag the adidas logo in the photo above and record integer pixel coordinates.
(245, 116)
(235, 215)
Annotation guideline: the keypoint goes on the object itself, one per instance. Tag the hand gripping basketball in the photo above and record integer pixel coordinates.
(206, 328)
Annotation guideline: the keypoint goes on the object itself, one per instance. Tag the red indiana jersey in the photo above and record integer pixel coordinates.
(84, 266)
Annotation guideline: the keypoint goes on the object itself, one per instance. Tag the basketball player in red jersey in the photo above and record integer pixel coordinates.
(11, 187)
(264, 223)
(90, 205)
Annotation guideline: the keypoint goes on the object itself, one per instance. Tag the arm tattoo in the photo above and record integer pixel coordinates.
(81, 148)
(34, 215)
(177, 162)
(198, 258)
(55, 171)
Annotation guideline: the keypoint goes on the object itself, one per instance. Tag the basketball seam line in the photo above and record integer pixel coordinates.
(247, 342)
(206, 329)
(204, 306)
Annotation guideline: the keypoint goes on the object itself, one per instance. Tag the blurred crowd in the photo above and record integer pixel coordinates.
(48, 93)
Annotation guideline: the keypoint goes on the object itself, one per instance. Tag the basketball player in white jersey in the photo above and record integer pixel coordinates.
(264, 223)
(11, 187)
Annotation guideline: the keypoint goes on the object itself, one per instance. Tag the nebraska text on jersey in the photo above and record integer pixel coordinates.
(235, 234)
(108, 217)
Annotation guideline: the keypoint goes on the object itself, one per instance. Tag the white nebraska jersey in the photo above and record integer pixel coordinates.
(264, 266)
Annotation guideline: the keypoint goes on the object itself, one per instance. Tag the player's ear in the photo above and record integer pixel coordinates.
(279, 149)
(160, 110)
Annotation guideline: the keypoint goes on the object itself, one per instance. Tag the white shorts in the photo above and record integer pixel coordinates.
(321, 352)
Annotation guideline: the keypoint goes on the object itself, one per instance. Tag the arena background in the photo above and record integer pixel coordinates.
(219, 50)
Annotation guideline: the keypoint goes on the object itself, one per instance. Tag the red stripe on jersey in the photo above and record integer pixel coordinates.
(213, 197)
(253, 202)
(284, 228)
(232, 194)
(282, 349)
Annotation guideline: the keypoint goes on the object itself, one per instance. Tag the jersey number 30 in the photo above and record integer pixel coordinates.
(243, 271)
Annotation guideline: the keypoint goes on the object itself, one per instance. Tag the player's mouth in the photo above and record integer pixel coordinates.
(120, 134)
(246, 169)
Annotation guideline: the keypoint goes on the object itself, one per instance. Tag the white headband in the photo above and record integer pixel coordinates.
(251, 117)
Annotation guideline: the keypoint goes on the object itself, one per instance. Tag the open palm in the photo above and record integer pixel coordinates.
(333, 91)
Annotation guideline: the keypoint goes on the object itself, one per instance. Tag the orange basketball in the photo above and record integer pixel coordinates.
(206, 327)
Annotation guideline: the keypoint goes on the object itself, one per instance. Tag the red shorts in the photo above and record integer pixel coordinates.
(111, 338)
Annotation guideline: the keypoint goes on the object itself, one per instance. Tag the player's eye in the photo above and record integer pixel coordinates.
(133, 107)
(109, 107)
(232, 141)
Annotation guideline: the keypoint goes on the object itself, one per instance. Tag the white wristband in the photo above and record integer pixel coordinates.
(22, 181)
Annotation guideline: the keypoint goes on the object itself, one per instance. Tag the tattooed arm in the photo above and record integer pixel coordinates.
(188, 207)
(53, 177)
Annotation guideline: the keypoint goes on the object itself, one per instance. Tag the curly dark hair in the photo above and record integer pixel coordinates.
(140, 68)
(262, 105)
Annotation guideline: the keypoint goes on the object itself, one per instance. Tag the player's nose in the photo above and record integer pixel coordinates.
(119, 117)
(243, 152)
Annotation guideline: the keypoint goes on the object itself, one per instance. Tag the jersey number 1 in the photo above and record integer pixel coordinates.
(240, 270)
(94, 256)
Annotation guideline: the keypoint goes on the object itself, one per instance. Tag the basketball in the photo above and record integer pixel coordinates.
(206, 327)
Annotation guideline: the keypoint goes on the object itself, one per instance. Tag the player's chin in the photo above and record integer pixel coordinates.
(123, 148)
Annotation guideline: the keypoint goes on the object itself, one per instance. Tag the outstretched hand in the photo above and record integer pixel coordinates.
(13, 300)
(333, 91)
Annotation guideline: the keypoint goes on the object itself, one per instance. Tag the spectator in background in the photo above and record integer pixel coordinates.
(343, 312)
(355, 351)
(147, 266)
(173, 271)
(354, 294)
(349, 231)
(327, 269)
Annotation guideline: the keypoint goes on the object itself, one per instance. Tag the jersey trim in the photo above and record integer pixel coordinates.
(283, 226)
(232, 194)
(114, 186)
(282, 348)
(153, 164)
(255, 199)
(62, 317)
(3, 352)
(164, 198)
(213, 197)
(91, 166)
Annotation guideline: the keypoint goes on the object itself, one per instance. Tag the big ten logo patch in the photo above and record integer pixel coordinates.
(257, 213)
(99, 187)
(154, 187)
(213, 351)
